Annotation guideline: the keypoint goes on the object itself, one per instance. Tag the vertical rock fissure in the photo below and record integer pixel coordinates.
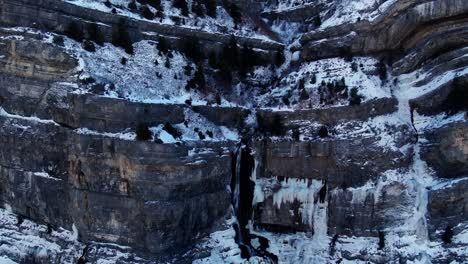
(243, 187)
(412, 109)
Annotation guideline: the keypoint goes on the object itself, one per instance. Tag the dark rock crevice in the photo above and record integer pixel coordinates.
(242, 196)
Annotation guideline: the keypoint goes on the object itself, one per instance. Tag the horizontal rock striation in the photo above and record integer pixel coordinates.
(448, 203)
(404, 26)
(446, 150)
(153, 197)
(291, 171)
(334, 115)
(366, 212)
(55, 15)
(295, 14)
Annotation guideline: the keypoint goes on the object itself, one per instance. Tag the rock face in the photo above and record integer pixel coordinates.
(361, 180)
(323, 168)
(405, 25)
(110, 190)
(336, 161)
(333, 116)
(448, 207)
(446, 151)
(153, 197)
(57, 15)
(34, 59)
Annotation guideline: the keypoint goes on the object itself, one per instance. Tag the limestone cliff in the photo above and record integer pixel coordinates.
(330, 131)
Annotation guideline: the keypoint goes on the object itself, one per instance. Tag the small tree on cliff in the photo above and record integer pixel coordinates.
(381, 240)
(143, 132)
(132, 5)
(317, 21)
(182, 6)
(354, 97)
(210, 8)
(447, 235)
(147, 13)
(162, 45)
(323, 132)
(234, 11)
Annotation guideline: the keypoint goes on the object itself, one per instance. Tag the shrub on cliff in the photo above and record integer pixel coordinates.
(172, 131)
(381, 240)
(313, 79)
(197, 8)
(346, 53)
(146, 13)
(447, 235)
(279, 58)
(132, 5)
(303, 95)
(234, 11)
(182, 6)
(74, 31)
(162, 45)
(198, 81)
(19, 220)
(296, 135)
(121, 37)
(143, 132)
(354, 97)
(58, 40)
(201, 135)
(248, 58)
(167, 64)
(323, 132)
(88, 46)
(317, 21)
(382, 70)
(210, 8)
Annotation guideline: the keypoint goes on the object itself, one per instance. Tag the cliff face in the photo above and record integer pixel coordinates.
(353, 147)
(113, 190)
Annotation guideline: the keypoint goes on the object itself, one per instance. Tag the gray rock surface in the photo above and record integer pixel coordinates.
(446, 150)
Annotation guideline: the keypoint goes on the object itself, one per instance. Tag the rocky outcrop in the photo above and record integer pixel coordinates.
(402, 27)
(446, 150)
(439, 100)
(223, 116)
(153, 197)
(34, 59)
(367, 211)
(55, 15)
(296, 14)
(333, 115)
(343, 163)
(448, 208)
